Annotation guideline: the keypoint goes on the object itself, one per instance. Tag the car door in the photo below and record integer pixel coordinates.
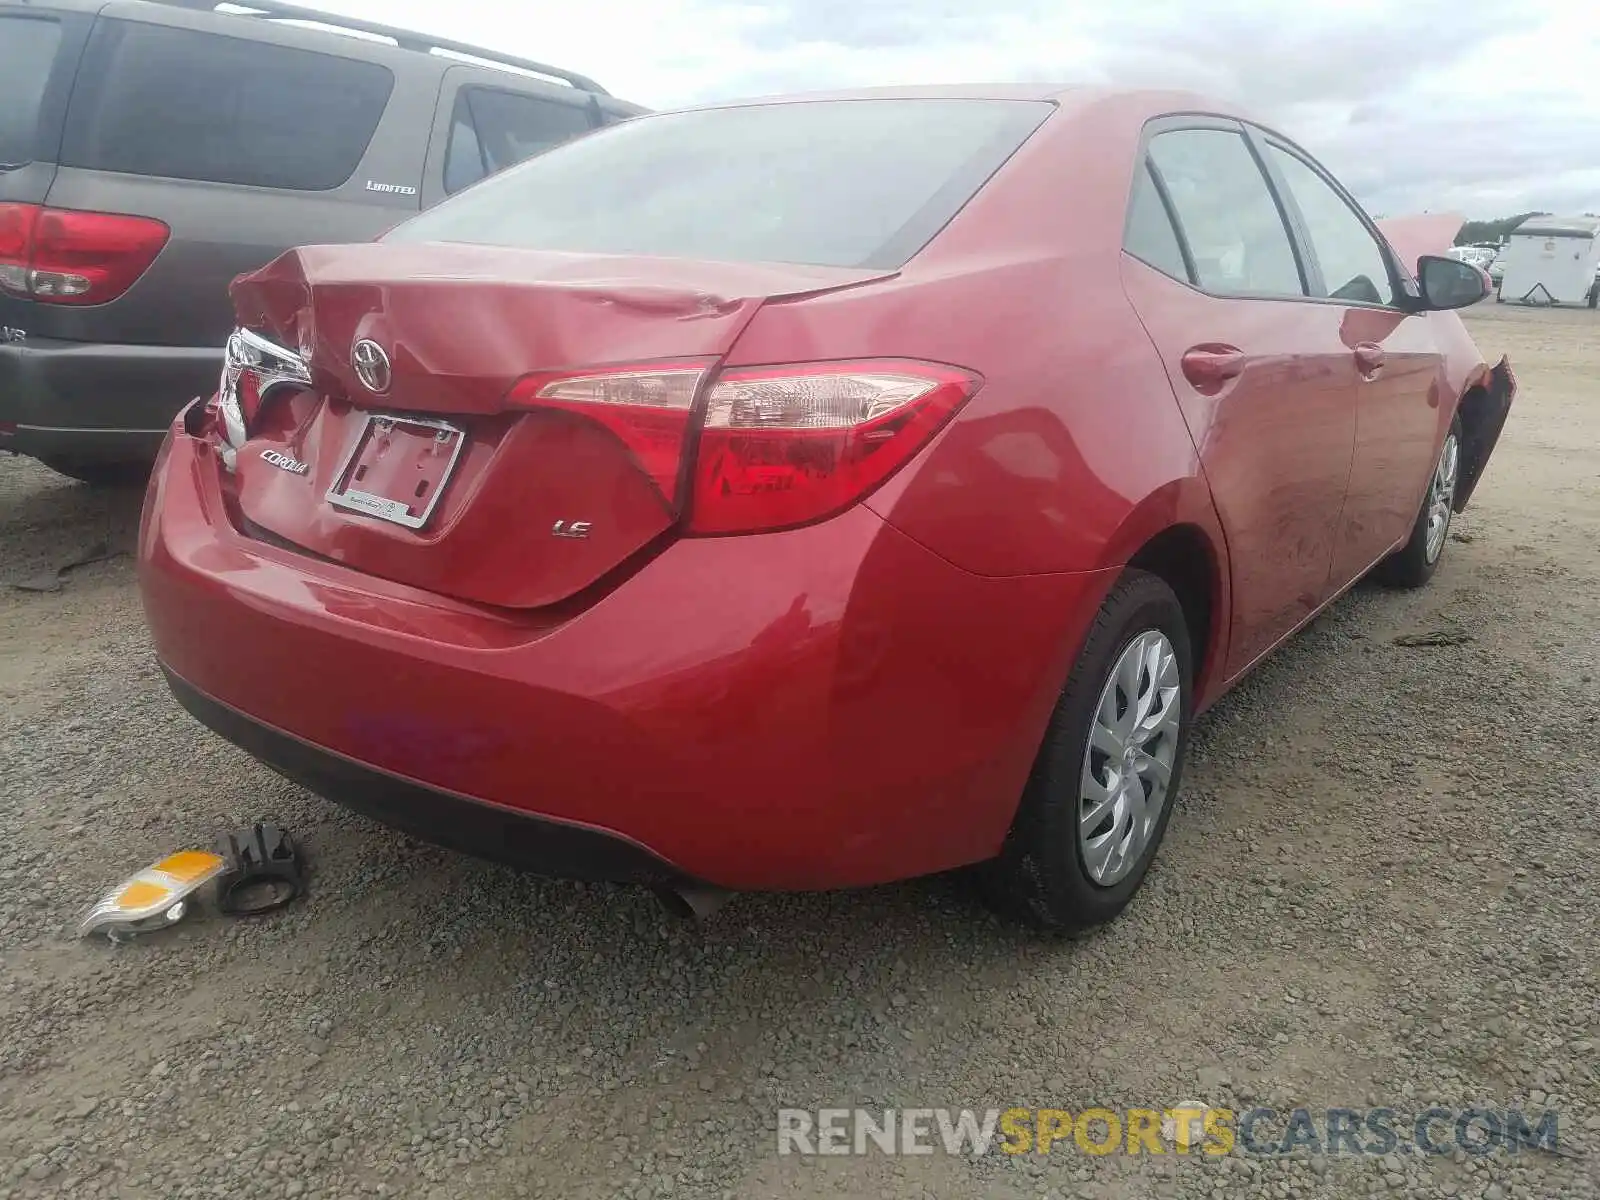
(1397, 361)
(1261, 373)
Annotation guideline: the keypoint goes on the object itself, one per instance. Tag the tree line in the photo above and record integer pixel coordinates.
(1492, 231)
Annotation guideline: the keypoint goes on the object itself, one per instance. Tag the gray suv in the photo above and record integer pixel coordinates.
(152, 150)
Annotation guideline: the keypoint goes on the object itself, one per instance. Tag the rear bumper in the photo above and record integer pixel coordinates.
(87, 400)
(827, 707)
(491, 831)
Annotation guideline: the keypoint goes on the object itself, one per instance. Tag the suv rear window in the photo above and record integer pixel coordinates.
(27, 53)
(186, 105)
(491, 130)
(826, 182)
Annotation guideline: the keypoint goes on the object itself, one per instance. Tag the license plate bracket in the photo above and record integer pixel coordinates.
(397, 468)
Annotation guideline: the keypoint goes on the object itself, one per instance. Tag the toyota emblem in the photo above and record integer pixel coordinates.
(372, 366)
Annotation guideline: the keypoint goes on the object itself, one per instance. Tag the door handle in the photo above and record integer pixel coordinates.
(1369, 359)
(1211, 367)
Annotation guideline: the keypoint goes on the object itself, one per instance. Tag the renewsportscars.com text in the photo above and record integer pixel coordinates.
(1182, 1129)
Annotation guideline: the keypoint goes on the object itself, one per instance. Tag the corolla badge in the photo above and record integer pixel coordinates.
(372, 365)
(284, 463)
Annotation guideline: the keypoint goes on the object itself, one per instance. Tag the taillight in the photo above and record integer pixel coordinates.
(784, 446)
(646, 405)
(61, 256)
(252, 368)
(16, 245)
(777, 446)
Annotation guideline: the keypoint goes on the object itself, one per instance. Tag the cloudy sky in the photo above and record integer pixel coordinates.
(1462, 105)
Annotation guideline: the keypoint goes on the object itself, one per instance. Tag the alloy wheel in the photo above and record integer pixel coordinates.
(1442, 495)
(1127, 767)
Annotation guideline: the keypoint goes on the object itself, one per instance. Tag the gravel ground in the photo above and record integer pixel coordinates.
(1380, 889)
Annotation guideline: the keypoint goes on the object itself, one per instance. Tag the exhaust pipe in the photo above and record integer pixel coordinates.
(690, 902)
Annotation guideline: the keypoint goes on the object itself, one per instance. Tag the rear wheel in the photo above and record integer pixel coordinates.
(100, 474)
(1413, 564)
(1102, 789)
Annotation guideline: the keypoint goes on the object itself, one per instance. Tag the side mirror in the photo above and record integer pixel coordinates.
(1451, 283)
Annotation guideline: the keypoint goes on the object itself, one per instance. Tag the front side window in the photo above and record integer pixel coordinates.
(1353, 264)
(1235, 233)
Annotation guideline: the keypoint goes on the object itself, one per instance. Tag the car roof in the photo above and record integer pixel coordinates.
(1065, 96)
(943, 91)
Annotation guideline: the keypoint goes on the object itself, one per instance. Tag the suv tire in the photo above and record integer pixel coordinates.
(100, 474)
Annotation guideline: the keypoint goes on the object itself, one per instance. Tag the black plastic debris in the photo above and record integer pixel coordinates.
(264, 871)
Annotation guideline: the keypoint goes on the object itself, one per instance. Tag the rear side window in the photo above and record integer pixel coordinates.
(831, 183)
(1150, 237)
(186, 105)
(27, 53)
(491, 130)
(1235, 232)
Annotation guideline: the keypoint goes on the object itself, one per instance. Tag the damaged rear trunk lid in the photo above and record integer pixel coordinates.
(421, 451)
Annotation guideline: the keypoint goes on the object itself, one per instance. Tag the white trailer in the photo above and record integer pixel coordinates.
(1551, 260)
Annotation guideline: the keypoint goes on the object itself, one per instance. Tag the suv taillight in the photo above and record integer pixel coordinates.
(61, 256)
(773, 447)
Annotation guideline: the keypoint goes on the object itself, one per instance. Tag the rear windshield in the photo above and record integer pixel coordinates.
(27, 52)
(186, 105)
(831, 183)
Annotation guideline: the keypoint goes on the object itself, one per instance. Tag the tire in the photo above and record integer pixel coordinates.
(1042, 876)
(1413, 564)
(101, 474)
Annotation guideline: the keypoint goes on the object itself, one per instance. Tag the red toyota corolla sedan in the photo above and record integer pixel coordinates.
(812, 492)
